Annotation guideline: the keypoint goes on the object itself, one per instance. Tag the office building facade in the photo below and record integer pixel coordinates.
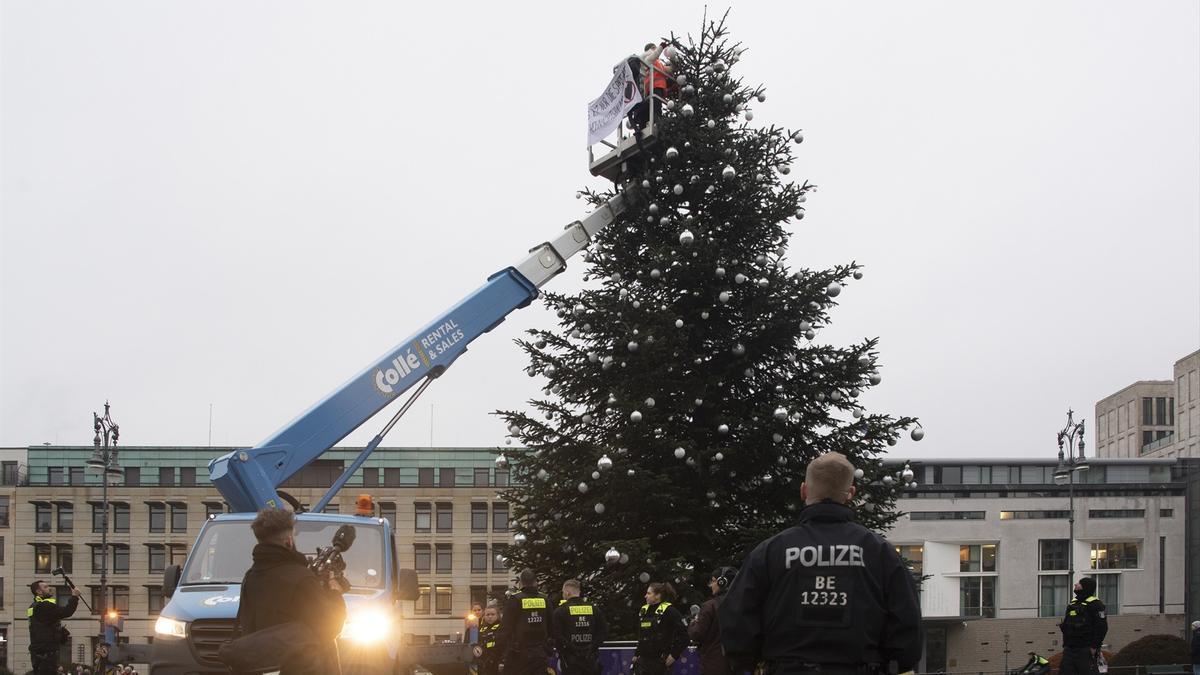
(1153, 418)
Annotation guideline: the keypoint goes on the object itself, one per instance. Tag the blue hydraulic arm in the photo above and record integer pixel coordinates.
(249, 479)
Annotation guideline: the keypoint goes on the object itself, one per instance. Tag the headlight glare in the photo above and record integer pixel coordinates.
(168, 627)
(368, 625)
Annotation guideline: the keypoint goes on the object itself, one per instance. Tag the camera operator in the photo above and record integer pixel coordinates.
(46, 632)
(279, 588)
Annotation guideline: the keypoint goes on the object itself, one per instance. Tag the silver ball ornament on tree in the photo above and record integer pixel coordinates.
(612, 556)
(777, 437)
(686, 237)
(723, 297)
(749, 115)
(599, 508)
(655, 273)
(858, 473)
(632, 346)
(917, 434)
(720, 272)
(728, 172)
(739, 278)
(679, 323)
(718, 457)
(738, 350)
(781, 414)
(763, 283)
(635, 416)
(875, 378)
(800, 213)
(604, 463)
(833, 290)
(798, 137)
(583, 488)
(687, 110)
(518, 539)
(723, 429)
(671, 153)
(680, 453)
(678, 189)
(501, 462)
(644, 577)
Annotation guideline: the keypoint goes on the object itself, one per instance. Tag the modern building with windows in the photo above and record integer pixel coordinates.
(451, 527)
(991, 541)
(1153, 418)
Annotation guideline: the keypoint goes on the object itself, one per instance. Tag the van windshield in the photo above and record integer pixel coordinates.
(223, 553)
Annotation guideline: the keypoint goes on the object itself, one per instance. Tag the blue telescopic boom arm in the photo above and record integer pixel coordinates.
(249, 479)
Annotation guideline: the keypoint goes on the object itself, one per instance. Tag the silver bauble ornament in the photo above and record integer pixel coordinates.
(720, 272)
(644, 577)
(723, 429)
(833, 290)
(680, 453)
(630, 472)
(781, 413)
(762, 98)
(679, 323)
(723, 297)
(728, 172)
(635, 416)
(678, 189)
(858, 473)
(542, 475)
(798, 137)
(888, 480)
(699, 402)
(703, 315)
(785, 169)
(649, 403)
(548, 370)
(654, 274)
(810, 333)
(501, 462)
(632, 346)
(763, 283)
(739, 278)
(583, 488)
(604, 463)
(687, 110)
(711, 124)
(917, 434)
(671, 153)
(749, 115)
(907, 474)
(718, 457)
(599, 507)
(777, 437)
(738, 350)
(686, 237)
(875, 378)
(518, 539)
(612, 556)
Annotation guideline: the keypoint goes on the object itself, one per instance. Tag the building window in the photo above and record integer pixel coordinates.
(1116, 513)
(154, 599)
(482, 478)
(913, 556)
(120, 599)
(499, 517)
(978, 596)
(1, 550)
(1166, 513)
(1114, 556)
(179, 517)
(443, 598)
(425, 477)
(96, 599)
(501, 477)
(977, 558)
(97, 558)
(66, 517)
(187, 476)
(445, 517)
(391, 477)
(66, 558)
(76, 475)
(423, 518)
(370, 477)
(1035, 515)
(1052, 555)
(479, 516)
(133, 476)
(951, 475)
(178, 554)
(158, 558)
(479, 596)
(421, 557)
(166, 475)
(387, 511)
(4, 511)
(97, 518)
(947, 515)
(1108, 589)
(479, 562)
(446, 477)
(10, 473)
(1147, 411)
(56, 475)
(41, 558)
(120, 559)
(1053, 594)
(445, 559)
(499, 559)
(120, 517)
(41, 517)
(158, 517)
(422, 605)
(212, 509)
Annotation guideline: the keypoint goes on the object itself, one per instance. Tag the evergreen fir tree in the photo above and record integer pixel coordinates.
(686, 386)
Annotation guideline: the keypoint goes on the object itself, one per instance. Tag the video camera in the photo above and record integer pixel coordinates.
(329, 558)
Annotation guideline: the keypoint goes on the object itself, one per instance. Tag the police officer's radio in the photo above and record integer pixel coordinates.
(329, 562)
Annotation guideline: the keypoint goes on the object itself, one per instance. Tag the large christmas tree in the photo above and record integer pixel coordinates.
(687, 387)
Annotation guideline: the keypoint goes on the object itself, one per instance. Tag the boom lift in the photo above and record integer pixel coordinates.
(204, 593)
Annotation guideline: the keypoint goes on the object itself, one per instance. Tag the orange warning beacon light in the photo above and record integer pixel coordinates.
(364, 506)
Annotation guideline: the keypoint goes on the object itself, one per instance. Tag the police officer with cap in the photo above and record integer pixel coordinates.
(705, 631)
(525, 632)
(579, 630)
(825, 596)
(46, 632)
(1083, 629)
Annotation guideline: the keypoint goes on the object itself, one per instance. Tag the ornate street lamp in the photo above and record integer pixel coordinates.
(1070, 460)
(104, 463)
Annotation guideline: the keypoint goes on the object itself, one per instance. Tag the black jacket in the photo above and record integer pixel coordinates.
(489, 649)
(1086, 621)
(279, 588)
(579, 628)
(525, 627)
(826, 591)
(705, 631)
(45, 627)
(661, 632)
(1196, 647)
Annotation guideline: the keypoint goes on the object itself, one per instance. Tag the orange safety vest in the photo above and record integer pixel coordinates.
(656, 78)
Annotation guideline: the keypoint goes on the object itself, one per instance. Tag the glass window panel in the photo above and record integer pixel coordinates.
(499, 559)
(499, 517)
(387, 511)
(952, 475)
(479, 558)
(501, 477)
(120, 517)
(41, 558)
(423, 517)
(1053, 554)
(443, 598)
(999, 475)
(971, 475)
(445, 559)
(422, 558)
(120, 559)
(66, 517)
(179, 518)
(445, 517)
(158, 559)
(425, 477)
(158, 517)
(41, 517)
(482, 478)
(370, 477)
(422, 604)
(391, 477)
(446, 477)
(479, 516)
(1108, 589)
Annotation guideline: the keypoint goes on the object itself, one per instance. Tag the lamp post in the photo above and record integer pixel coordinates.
(1070, 460)
(104, 462)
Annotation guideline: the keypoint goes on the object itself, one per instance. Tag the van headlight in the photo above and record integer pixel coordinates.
(168, 627)
(367, 625)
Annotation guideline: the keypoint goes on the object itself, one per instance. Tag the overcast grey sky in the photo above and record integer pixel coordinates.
(244, 204)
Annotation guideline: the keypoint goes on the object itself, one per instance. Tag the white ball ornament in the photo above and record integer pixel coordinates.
(599, 508)
(687, 110)
(739, 278)
(630, 472)
(583, 488)
(679, 323)
(833, 290)
(738, 350)
(680, 453)
(888, 480)
(711, 124)
(858, 473)
(671, 153)
(501, 462)
(604, 463)
(542, 475)
(723, 297)
(763, 283)
(686, 237)
(728, 172)
(728, 98)
(612, 556)
(798, 137)
(655, 273)
(635, 416)
(749, 115)
(678, 189)
(875, 378)
(720, 272)
(518, 539)
(777, 437)
(781, 413)
(644, 577)
(649, 403)
(762, 98)
(718, 457)
(917, 434)
(723, 429)
(632, 346)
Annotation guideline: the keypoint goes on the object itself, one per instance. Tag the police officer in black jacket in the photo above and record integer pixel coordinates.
(579, 629)
(827, 595)
(525, 630)
(1083, 629)
(662, 632)
(46, 632)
